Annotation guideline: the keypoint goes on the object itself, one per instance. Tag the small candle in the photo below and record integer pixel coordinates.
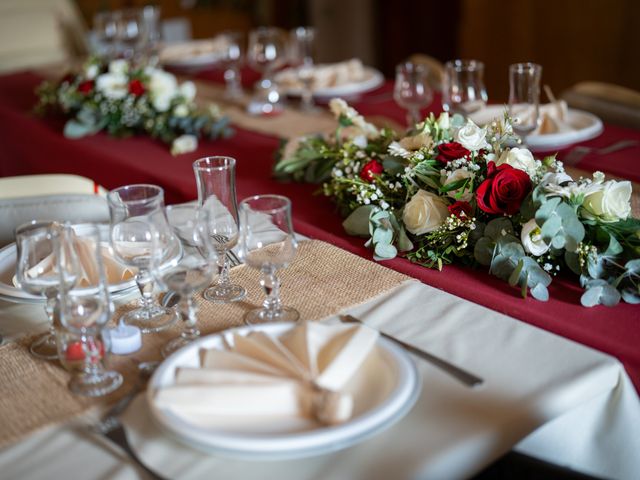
(124, 339)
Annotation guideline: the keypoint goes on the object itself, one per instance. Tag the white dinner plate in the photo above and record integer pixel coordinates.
(384, 390)
(586, 126)
(372, 78)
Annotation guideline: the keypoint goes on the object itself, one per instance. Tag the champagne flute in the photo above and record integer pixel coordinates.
(231, 62)
(301, 45)
(268, 244)
(136, 212)
(411, 90)
(524, 97)
(216, 179)
(39, 256)
(463, 88)
(266, 54)
(195, 270)
(85, 308)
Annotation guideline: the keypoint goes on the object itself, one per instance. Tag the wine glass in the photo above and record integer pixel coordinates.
(411, 90)
(266, 54)
(38, 251)
(105, 24)
(150, 33)
(216, 179)
(129, 31)
(195, 270)
(85, 308)
(301, 53)
(268, 244)
(463, 88)
(231, 62)
(524, 97)
(136, 212)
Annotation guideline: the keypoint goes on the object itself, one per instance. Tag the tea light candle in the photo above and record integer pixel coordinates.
(124, 339)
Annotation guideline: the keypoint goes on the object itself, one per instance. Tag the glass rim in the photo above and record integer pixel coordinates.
(200, 164)
(464, 64)
(112, 198)
(413, 67)
(34, 225)
(286, 202)
(523, 67)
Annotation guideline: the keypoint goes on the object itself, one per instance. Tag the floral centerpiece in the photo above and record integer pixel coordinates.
(124, 99)
(450, 191)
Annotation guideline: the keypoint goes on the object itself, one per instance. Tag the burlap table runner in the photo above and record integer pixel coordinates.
(321, 281)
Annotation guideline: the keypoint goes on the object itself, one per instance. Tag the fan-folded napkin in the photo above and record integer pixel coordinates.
(325, 76)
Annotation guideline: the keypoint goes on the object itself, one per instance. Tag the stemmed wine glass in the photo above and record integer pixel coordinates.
(136, 212)
(411, 90)
(216, 179)
(463, 89)
(195, 270)
(85, 308)
(231, 62)
(105, 24)
(39, 257)
(301, 53)
(129, 32)
(524, 97)
(268, 244)
(266, 53)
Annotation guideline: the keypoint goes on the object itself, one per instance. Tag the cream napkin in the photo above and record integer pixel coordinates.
(301, 373)
(554, 118)
(181, 51)
(325, 76)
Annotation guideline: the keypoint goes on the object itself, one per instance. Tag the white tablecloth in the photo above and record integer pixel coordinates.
(544, 395)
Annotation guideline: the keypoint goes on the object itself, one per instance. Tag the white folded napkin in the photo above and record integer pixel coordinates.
(554, 118)
(196, 48)
(300, 373)
(325, 76)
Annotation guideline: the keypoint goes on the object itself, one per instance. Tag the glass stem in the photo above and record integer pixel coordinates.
(49, 308)
(271, 286)
(223, 270)
(91, 351)
(189, 314)
(232, 79)
(145, 285)
(413, 116)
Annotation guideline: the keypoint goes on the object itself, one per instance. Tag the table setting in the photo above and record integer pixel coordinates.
(375, 279)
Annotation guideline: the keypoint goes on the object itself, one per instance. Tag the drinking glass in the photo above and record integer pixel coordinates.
(463, 88)
(301, 53)
(266, 53)
(105, 24)
(524, 97)
(85, 308)
(136, 212)
(39, 257)
(268, 244)
(194, 271)
(411, 90)
(216, 179)
(150, 33)
(129, 32)
(232, 60)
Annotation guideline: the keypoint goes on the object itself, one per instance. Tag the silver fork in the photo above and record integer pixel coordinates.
(578, 153)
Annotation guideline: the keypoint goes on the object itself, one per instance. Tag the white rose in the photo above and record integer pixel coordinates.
(609, 203)
(444, 122)
(118, 67)
(181, 110)
(360, 141)
(163, 88)
(188, 91)
(471, 137)
(184, 144)
(557, 178)
(91, 71)
(113, 86)
(459, 174)
(531, 238)
(424, 212)
(519, 158)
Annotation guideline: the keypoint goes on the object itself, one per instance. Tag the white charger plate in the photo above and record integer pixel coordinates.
(384, 390)
(372, 79)
(586, 125)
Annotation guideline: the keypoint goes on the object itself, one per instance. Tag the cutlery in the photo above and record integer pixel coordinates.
(111, 427)
(462, 375)
(579, 152)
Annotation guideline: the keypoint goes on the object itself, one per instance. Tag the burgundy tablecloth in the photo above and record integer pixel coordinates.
(32, 145)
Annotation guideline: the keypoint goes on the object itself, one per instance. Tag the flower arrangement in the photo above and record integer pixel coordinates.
(450, 191)
(124, 99)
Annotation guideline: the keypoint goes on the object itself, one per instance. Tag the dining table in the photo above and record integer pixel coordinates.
(562, 380)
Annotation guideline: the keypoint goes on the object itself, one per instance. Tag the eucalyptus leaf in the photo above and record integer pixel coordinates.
(404, 243)
(631, 296)
(74, 129)
(498, 227)
(572, 261)
(540, 292)
(357, 223)
(483, 251)
(382, 235)
(385, 251)
(514, 278)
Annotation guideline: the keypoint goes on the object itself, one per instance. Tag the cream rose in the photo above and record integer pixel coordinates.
(459, 174)
(184, 144)
(519, 158)
(531, 238)
(472, 137)
(118, 67)
(163, 87)
(424, 213)
(609, 203)
(113, 86)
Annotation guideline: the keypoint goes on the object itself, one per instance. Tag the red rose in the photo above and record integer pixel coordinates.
(136, 88)
(451, 151)
(85, 87)
(503, 190)
(461, 209)
(372, 168)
